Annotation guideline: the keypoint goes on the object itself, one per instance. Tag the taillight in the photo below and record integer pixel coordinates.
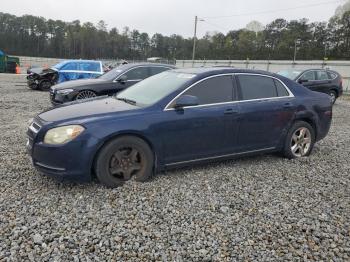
(328, 113)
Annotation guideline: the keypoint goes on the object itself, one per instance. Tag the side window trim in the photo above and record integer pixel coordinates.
(235, 86)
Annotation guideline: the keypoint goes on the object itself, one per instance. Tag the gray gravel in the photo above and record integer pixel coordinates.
(258, 208)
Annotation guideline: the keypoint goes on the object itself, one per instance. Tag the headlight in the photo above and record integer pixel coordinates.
(63, 134)
(65, 91)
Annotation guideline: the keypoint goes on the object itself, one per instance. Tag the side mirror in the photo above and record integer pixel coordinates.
(301, 81)
(186, 100)
(122, 79)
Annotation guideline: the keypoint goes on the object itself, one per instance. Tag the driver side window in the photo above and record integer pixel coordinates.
(309, 76)
(139, 73)
(214, 90)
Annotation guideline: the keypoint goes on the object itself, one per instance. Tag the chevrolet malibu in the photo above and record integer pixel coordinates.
(177, 118)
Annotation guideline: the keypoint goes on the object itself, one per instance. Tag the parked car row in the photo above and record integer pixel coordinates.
(319, 80)
(109, 83)
(173, 118)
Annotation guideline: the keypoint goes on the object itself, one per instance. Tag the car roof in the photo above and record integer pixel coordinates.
(204, 71)
(130, 65)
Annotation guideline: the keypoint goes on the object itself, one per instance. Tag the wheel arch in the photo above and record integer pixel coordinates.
(121, 134)
(310, 120)
(335, 90)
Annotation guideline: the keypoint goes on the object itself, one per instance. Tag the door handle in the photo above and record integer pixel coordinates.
(287, 105)
(230, 111)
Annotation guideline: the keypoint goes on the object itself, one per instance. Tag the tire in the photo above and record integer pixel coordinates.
(33, 87)
(45, 85)
(333, 96)
(124, 158)
(84, 94)
(299, 145)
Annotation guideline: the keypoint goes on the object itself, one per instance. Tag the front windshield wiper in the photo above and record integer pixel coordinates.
(126, 100)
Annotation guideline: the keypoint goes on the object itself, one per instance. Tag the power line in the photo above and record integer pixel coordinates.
(214, 25)
(275, 10)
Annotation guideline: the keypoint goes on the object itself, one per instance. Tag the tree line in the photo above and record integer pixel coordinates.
(36, 36)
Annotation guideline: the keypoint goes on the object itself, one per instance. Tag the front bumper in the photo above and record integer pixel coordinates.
(70, 161)
(59, 99)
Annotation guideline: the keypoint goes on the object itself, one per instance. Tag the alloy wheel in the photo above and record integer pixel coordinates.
(301, 142)
(125, 163)
(85, 94)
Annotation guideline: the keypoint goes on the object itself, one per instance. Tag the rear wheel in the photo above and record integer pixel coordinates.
(85, 94)
(333, 96)
(299, 141)
(45, 85)
(122, 159)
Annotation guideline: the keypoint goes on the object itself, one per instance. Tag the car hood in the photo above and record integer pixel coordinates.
(79, 83)
(41, 70)
(90, 108)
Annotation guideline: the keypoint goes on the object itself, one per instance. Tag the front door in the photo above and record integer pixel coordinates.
(203, 131)
(133, 76)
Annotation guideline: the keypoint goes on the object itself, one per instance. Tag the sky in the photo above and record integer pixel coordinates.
(174, 16)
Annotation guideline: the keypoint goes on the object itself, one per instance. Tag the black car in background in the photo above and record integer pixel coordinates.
(109, 83)
(320, 80)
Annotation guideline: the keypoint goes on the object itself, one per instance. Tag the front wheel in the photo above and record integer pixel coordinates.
(122, 159)
(85, 94)
(45, 85)
(299, 140)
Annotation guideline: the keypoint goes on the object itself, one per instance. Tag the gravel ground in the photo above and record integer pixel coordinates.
(258, 208)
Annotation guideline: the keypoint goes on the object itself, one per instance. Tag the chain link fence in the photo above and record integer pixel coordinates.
(342, 67)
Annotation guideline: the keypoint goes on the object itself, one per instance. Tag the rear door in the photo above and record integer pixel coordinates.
(266, 108)
(324, 83)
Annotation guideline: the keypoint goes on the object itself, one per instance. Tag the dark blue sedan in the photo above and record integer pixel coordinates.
(179, 117)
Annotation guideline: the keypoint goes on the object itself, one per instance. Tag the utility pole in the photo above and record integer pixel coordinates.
(295, 51)
(297, 41)
(194, 38)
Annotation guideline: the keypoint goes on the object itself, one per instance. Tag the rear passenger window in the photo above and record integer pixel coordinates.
(281, 90)
(321, 75)
(213, 90)
(332, 75)
(138, 73)
(255, 87)
(91, 67)
(158, 69)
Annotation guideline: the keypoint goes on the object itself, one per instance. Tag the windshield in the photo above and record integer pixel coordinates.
(59, 65)
(112, 74)
(291, 74)
(155, 88)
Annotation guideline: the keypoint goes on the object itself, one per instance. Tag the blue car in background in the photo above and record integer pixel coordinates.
(43, 79)
(177, 118)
